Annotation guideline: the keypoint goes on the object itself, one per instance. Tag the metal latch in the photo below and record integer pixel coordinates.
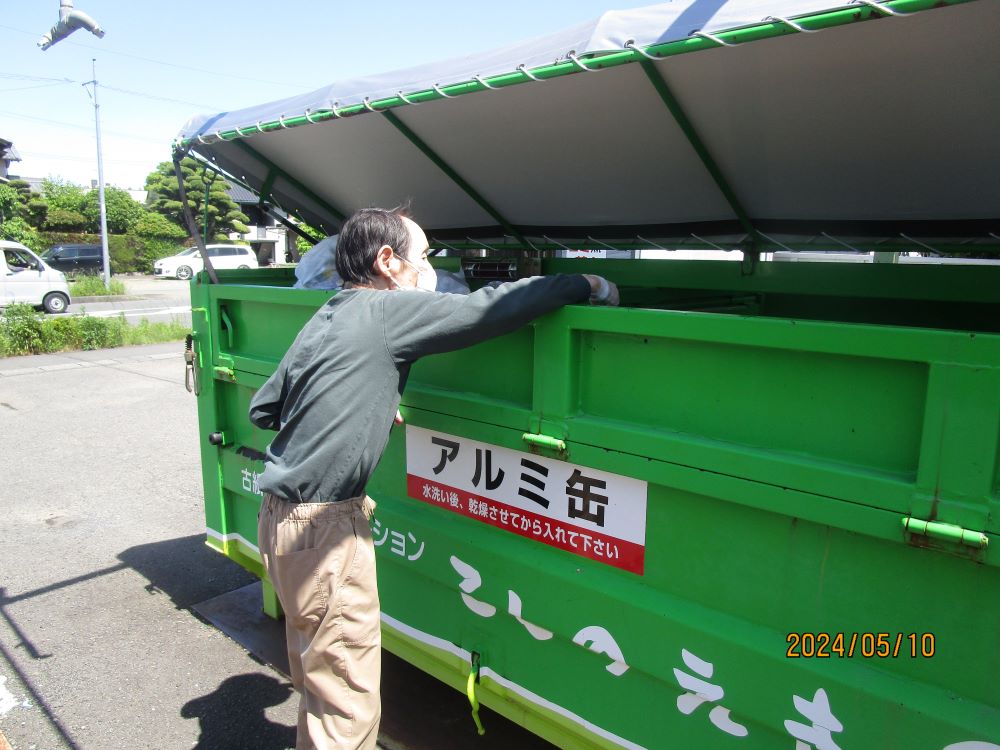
(545, 441)
(946, 532)
(190, 368)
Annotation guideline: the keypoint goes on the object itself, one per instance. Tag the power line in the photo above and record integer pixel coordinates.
(156, 98)
(105, 50)
(64, 124)
(130, 92)
(71, 157)
(39, 86)
(23, 77)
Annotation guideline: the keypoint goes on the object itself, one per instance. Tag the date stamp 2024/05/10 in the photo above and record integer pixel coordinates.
(868, 645)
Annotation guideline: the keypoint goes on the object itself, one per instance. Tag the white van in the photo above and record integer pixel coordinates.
(25, 278)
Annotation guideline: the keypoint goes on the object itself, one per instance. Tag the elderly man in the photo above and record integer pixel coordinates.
(332, 401)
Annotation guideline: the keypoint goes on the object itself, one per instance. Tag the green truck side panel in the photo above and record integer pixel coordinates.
(787, 424)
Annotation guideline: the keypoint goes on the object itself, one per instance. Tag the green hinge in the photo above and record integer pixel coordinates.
(947, 532)
(225, 373)
(544, 441)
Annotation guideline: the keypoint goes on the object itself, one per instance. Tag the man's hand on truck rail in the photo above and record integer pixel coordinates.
(602, 291)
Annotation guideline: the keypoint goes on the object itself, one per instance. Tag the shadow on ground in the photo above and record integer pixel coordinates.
(185, 569)
(418, 711)
(232, 716)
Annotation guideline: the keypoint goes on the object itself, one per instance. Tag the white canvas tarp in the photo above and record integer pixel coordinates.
(864, 129)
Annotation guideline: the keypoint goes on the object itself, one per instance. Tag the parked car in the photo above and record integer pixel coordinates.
(75, 259)
(26, 278)
(187, 264)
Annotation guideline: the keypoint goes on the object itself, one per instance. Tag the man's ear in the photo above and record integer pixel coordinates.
(382, 260)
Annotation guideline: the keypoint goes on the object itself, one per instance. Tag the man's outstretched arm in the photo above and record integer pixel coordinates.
(418, 324)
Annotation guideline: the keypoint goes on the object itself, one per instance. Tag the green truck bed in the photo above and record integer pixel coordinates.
(759, 504)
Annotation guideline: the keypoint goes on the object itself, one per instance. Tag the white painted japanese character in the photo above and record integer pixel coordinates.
(247, 480)
(397, 545)
(514, 608)
(377, 529)
(416, 555)
(471, 580)
(700, 691)
(823, 723)
(255, 488)
(473, 506)
(602, 642)
(427, 491)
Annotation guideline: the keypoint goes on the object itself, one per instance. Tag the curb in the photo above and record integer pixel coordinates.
(105, 298)
(83, 363)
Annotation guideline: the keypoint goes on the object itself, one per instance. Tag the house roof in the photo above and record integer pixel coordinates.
(240, 194)
(8, 152)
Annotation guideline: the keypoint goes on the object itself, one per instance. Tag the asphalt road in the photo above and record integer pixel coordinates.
(102, 563)
(156, 300)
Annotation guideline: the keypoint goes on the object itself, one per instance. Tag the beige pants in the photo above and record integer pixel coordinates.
(321, 560)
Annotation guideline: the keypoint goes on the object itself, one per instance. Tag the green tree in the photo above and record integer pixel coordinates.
(36, 211)
(23, 189)
(62, 194)
(18, 230)
(66, 220)
(61, 207)
(302, 245)
(9, 203)
(222, 214)
(122, 211)
(16, 199)
(157, 226)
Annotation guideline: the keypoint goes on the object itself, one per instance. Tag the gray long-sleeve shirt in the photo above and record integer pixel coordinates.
(333, 397)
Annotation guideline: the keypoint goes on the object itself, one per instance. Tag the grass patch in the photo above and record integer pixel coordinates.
(145, 332)
(93, 286)
(23, 330)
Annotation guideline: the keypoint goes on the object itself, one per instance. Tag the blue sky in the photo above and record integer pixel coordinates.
(175, 58)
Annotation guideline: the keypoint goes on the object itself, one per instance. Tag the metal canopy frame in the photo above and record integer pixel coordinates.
(687, 127)
(454, 176)
(277, 171)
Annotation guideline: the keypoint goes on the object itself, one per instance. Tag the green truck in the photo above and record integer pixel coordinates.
(758, 505)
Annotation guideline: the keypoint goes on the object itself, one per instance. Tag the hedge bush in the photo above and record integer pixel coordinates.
(23, 330)
(130, 253)
(93, 286)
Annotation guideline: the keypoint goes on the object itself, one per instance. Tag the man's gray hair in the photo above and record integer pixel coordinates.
(361, 237)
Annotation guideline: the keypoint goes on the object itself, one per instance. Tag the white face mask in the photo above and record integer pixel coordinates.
(426, 277)
(427, 280)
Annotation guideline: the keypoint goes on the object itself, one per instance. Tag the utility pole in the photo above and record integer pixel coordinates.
(100, 180)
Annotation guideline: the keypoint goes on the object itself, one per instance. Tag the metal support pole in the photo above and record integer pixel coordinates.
(105, 257)
(454, 176)
(275, 171)
(204, 219)
(699, 146)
